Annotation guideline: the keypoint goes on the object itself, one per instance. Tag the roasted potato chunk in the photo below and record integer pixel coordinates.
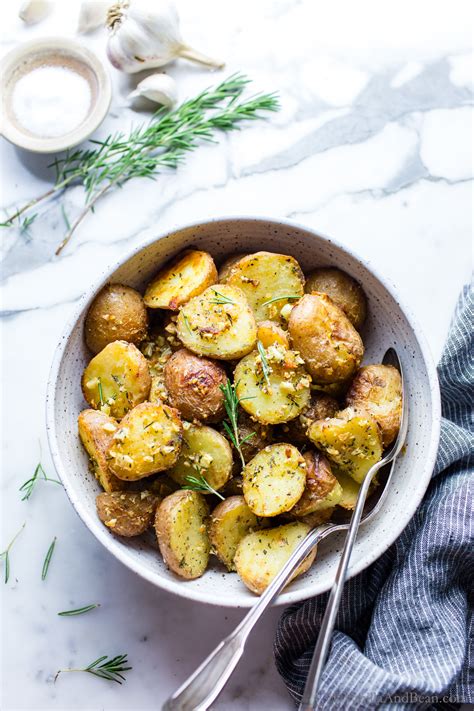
(274, 480)
(320, 407)
(270, 333)
(377, 389)
(205, 452)
(350, 489)
(181, 531)
(272, 385)
(186, 276)
(147, 441)
(262, 554)
(127, 513)
(116, 314)
(227, 264)
(194, 386)
(322, 489)
(96, 431)
(350, 440)
(268, 280)
(219, 323)
(116, 379)
(325, 338)
(342, 289)
(231, 520)
(253, 436)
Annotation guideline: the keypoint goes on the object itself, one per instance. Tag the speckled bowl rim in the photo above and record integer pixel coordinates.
(98, 110)
(177, 587)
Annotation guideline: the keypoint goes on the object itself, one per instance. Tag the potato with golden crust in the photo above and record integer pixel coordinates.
(322, 490)
(271, 333)
(194, 385)
(377, 389)
(268, 280)
(262, 554)
(127, 513)
(227, 264)
(230, 521)
(116, 379)
(186, 276)
(204, 452)
(345, 291)
(181, 531)
(116, 314)
(218, 323)
(148, 441)
(320, 406)
(96, 431)
(325, 338)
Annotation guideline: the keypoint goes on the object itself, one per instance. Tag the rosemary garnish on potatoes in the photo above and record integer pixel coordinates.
(6, 554)
(281, 298)
(231, 403)
(201, 484)
(265, 367)
(28, 486)
(109, 669)
(221, 298)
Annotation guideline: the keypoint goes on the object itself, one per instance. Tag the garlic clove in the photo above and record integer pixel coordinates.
(92, 14)
(160, 88)
(35, 10)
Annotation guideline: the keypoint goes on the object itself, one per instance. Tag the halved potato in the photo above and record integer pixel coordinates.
(268, 280)
(187, 275)
(270, 333)
(127, 513)
(219, 323)
(345, 291)
(322, 489)
(116, 314)
(272, 384)
(350, 440)
(350, 489)
(325, 338)
(181, 531)
(116, 379)
(319, 407)
(147, 441)
(262, 554)
(96, 430)
(377, 389)
(231, 520)
(274, 480)
(204, 452)
(227, 264)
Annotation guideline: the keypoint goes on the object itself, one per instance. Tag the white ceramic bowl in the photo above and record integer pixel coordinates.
(388, 325)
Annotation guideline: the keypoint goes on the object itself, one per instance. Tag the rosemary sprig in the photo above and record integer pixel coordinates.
(281, 298)
(110, 669)
(221, 298)
(231, 403)
(47, 560)
(6, 554)
(150, 148)
(201, 484)
(28, 486)
(79, 611)
(101, 394)
(265, 367)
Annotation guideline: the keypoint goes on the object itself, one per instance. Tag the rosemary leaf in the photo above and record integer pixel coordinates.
(282, 298)
(201, 484)
(109, 669)
(79, 611)
(28, 486)
(47, 560)
(6, 554)
(101, 394)
(231, 404)
(264, 361)
(221, 298)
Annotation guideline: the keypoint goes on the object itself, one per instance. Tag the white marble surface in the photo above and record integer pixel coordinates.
(372, 146)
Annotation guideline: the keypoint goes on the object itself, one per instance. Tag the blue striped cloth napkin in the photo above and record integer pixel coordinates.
(404, 633)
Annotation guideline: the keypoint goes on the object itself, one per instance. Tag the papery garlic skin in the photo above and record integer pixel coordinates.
(92, 15)
(35, 10)
(160, 88)
(145, 34)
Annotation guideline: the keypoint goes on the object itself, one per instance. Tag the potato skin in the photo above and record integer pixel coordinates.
(194, 385)
(322, 490)
(345, 291)
(320, 407)
(116, 314)
(378, 390)
(186, 276)
(127, 513)
(325, 338)
(181, 531)
(96, 431)
(230, 521)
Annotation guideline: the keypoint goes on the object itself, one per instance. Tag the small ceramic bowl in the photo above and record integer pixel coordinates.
(388, 324)
(53, 51)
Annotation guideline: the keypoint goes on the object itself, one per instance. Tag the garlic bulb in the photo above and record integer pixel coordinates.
(35, 11)
(92, 14)
(145, 34)
(160, 88)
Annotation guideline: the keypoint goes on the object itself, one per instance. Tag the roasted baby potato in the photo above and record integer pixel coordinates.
(127, 513)
(342, 289)
(187, 275)
(262, 554)
(147, 441)
(350, 440)
(96, 431)
(231, 520)
(268, 280)
(377, 389)
(270, 333)
(350, 489)
(194, 386)
(320, 406)
(272, 384)
(219, 323)
(181, 531)
(274, 480)
(205, 452)
(322, 489)
(253, 435)
(116, 379)
(325, 338)
(116, 314)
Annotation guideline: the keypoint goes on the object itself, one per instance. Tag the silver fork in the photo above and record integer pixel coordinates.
(205, 684)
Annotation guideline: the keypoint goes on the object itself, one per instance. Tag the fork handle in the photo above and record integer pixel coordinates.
(205, 684)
